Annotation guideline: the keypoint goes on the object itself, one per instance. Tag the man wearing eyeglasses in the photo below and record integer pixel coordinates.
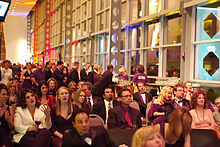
(179, 99)
(123, 116)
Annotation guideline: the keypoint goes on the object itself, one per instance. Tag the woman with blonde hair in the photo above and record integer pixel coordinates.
(94, 76)
(157, 112)
(80, 101)
(123, 75)
(61, 116)
(148, 137)
(177, 131)
(12, 92)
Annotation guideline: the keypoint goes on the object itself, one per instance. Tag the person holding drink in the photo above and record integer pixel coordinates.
(32, 122)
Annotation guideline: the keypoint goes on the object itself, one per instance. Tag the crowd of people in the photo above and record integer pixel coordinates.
(50, 106)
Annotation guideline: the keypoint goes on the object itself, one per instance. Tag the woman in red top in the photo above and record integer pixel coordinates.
(44, 97)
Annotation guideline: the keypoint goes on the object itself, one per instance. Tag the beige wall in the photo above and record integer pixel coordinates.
(15, 29)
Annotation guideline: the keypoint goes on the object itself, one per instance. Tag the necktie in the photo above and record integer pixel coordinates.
(127, 118)
(89, 100)
(109, 105)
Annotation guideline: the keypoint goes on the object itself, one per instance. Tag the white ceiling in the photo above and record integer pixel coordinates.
(20, 7)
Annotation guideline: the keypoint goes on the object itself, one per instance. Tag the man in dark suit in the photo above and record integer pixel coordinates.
(123, 116)
(102, 107)
(58, 75)
(74, 75)
(104, 82)
(91, 100)
(84, 136)
(47, 71)
(84, 72)
(142, 98)
(179, 99)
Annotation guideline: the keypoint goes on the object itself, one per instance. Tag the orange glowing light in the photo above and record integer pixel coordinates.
(29, 3)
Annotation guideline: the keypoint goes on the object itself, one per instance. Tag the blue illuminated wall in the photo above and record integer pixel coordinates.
(204, 48)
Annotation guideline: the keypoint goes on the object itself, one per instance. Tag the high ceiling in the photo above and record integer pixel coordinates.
(21, 7)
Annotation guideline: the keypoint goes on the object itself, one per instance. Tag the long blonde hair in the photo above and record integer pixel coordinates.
(142, 134)
(163, 94)
(58, 102)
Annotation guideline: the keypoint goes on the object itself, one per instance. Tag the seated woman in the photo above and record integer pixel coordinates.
(61, 116)
(12, 92)
(13, 96)
(6, 119)
(177, 131)
(31, 122)
(157, 112)
(72, 85)
(148, 137)
(202, 117)
(44, 97)
(52, 84)
(80, 101)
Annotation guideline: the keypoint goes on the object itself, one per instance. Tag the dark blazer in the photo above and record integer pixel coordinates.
(104, 82)
(47, 73)
(99, 136)
(116, 118)
(74, 75)
(139, 100)
(99, 108)
(185, 104)
(58, 76)
(83, 75)
(93, 77)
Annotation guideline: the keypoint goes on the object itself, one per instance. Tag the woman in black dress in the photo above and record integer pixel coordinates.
(61, 116)
(25, 76)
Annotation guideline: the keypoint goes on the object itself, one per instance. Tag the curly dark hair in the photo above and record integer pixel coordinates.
(3, 86)
(22, 101)
(195, 96)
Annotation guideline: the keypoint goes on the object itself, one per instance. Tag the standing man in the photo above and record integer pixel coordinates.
(142, 98)
(74, 75)
(104, 82)
(84, 72)
(84, 136)
(58, 75)
(123, 116)
(37, 76)
(47, 71)
(102, 107)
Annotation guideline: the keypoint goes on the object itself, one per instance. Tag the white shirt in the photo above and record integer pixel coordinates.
(91, 100)
(106, 108)
(143, 97)
(179, 103)
(5, 74)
